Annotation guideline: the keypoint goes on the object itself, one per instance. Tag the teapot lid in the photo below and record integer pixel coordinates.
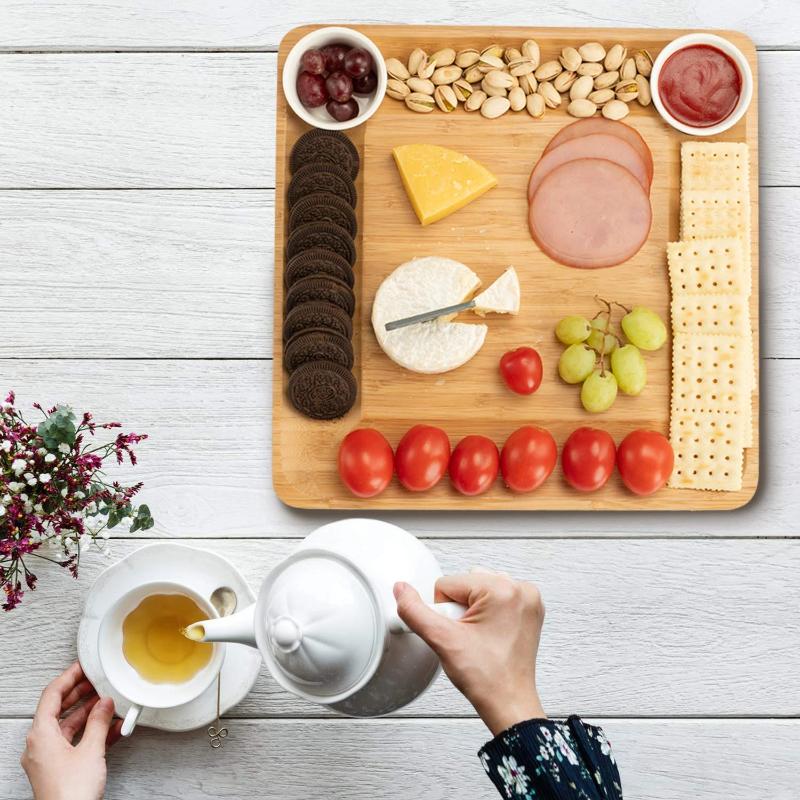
(320, 627)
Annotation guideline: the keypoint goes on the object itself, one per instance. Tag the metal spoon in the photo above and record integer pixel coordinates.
(224, 601)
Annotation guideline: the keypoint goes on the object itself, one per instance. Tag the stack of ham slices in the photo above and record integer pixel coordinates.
(589, 194)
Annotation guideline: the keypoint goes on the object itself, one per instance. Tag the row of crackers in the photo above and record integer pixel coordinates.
(713, 363)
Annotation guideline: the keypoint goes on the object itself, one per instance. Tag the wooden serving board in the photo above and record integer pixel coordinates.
(488, 235)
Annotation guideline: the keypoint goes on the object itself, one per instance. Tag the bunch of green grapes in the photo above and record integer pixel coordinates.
(600, 360)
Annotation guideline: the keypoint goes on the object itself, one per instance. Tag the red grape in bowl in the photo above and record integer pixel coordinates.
(357, 62)
(313, 61)
(311, 90)
(339, 86)
(334, 56)
(342, 112)
(366, 84)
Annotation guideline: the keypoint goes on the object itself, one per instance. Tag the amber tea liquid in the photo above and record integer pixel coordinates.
(153, 642)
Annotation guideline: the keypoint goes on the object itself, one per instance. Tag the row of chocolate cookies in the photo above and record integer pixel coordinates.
(319, 278)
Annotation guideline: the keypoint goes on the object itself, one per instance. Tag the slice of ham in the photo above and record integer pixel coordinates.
(592, 125)
(596, 145)
(590, 213)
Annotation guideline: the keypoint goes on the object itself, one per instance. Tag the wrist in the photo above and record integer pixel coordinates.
(498, 716)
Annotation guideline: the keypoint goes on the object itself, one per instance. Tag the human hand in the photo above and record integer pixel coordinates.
(490, 654)
(57, 769)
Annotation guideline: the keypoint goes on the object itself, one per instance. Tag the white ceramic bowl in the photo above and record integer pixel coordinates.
(319, 117)
(730, 50)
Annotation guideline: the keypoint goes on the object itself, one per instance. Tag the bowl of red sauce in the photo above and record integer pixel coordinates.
(702, 84)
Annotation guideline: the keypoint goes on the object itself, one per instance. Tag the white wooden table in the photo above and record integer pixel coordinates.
(136, 170)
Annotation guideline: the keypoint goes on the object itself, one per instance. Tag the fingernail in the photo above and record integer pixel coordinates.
(399, 588)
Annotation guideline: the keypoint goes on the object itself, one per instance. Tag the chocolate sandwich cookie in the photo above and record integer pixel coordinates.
(322, 389)
(324, 288)
(326, 235)
(314, 178)
(325, 147)
(317, 261)
(323, 207)
(316, 314)
(317, 344)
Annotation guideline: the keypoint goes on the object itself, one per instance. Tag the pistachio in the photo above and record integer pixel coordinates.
(445, 98)
(581, 108)
(420, 85)
(498, 79)
(463, 89)
(494, 50)
(488, 62)
(517, 98)
(570, 59)
(511, 54)
(397, 89)
(644, 62)
(521, 66)
(530, 49)
(514, 81)
(615, 109)
(552, 98)
(581, 88)
(426, 68)
(475, 100)
(418, 55)
(467, 58)
(627, 91)
(606, 79)
(614, 57)
(547, 71)
(494, 107)
(473, 74)
(601, 96)
(444, 57)
(628, 70)
(528, 83)
(535, 105)
(592, 51)
(644, 96)
(493, 91)
(590, 68)
(397, 69)
(446, 75)
(423, 103)
(564, 80)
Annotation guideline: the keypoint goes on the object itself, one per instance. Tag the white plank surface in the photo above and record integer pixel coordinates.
(427, 760)
(207, 120)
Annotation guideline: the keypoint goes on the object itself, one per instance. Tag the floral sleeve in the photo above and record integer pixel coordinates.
(547, 760)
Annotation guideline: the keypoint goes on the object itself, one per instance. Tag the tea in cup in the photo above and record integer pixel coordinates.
(145, 655)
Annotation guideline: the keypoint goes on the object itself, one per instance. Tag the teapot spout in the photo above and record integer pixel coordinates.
(239, 628)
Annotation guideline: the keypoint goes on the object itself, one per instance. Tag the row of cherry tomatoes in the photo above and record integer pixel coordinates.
(528, 457)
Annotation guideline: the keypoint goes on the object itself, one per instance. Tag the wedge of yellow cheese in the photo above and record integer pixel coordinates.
(438, 180)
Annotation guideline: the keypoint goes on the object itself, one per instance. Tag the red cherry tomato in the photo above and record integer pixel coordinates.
(522, 370)
(588, 459)
(645, 460)
(528, 457)
(366, 462)
(474, 465)
(422, 457)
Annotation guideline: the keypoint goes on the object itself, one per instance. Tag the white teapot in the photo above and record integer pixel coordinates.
(326, 620)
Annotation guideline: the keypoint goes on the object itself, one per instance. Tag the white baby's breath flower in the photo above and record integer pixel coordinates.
(17, 465)
(80, 495)
(39, 508)
(64, 492)
(91, 508)
(64, 448)
(28, 507)
(41, 451)
(24, 497)
(16, 486)
(5, 499)
(49, 458)
(5, 445)
(2, 511)
(32, 481)
(44, 477)
(84, 542)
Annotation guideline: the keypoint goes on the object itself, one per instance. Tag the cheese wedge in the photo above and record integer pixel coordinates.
(439, 181)
(502, 297)
(421, 285)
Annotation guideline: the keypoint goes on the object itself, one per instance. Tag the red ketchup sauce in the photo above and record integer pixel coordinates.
(700, 85)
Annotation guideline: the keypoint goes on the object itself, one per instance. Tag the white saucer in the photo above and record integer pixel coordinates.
(203, 572)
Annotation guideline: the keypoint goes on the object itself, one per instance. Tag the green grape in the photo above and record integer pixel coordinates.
(644, 328)
(595, 339)
(573, 329)
(627, 364)
(599, 391)
(576, 363)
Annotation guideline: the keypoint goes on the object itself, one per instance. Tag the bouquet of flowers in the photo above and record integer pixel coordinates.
(54, 495)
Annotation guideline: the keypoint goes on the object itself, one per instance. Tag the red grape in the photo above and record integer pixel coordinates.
(334, 56)
(313, 61)
(357, 62)
(366, 84)
(311, 90)
(342, 112)
(339, 86)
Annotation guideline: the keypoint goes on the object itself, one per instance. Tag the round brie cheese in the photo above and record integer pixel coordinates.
(420, 285)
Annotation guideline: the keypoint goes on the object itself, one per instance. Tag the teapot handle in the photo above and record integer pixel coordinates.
(450, 610)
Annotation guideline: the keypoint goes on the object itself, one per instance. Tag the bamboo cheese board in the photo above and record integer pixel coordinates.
(488, 235)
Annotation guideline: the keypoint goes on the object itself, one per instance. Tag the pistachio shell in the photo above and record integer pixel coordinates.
(564, 80)
(550, 94)
(445, 98)
(614, 57)
(467, 58)
(548, 70)
(423, 103)
(446, 75)
(397, 69)
(511, 54)
(530, 49)
(581, 108)
(517, 98)
(498, 79)
(494, 107)
(521, 66)
(493, 91)
(420, 85)
(426, 68)
(528, 83)
(592, 51)
(570, 59)
(606, 79)
(495, 50)
(475, 100)
(601, 96)
(645, 96)
(644, 62)
(535, 105)
(615, 109)
(444, 57)
(415, 59)
(397, 89)
(488, 62)
(473, 74)
(463, 89)
(627, 91)
(581, 88)
(627, 71)
(590, 68)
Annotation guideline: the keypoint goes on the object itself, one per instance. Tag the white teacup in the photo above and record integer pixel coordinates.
(127, 681)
